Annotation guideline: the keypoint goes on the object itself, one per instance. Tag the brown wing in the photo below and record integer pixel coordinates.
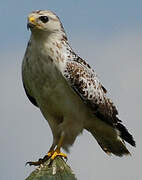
(86, 83)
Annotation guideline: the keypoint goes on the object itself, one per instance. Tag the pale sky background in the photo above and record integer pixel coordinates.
(108, 34)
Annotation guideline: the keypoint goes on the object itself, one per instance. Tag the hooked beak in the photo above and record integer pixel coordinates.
(31, 22)
(29, 25)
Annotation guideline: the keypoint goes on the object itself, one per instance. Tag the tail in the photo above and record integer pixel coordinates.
(111, 139)
(125, 135)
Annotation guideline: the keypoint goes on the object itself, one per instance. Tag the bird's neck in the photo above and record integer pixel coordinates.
(55, 46)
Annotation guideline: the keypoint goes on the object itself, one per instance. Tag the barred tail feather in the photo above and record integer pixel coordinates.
(125, 134)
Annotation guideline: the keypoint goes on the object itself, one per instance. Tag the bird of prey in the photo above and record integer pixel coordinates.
(67, 90)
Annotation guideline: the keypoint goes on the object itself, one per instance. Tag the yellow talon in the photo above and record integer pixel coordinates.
(50, 153)
(53, 154)
(58, 153)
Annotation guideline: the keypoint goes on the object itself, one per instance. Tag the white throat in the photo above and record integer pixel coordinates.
(55, 45)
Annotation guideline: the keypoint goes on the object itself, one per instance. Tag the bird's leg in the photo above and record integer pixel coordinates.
(57, 151)
(45, 158)
(52, 153)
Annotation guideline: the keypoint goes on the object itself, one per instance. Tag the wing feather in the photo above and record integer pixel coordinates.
(31, 98)
(86, 83)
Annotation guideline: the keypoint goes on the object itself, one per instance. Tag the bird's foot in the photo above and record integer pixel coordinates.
(50, 155)
(41, 160)
(58, 153)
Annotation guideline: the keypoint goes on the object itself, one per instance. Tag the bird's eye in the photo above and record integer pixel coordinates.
(44, 19)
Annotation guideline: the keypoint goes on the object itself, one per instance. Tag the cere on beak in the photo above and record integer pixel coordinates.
(31, 19)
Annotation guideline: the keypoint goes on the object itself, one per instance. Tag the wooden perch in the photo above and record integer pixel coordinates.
(57, 170)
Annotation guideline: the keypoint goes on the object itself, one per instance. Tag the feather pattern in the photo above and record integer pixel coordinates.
(86, 83)
(83, 79)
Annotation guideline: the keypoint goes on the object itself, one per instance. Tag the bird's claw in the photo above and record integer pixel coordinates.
(51, 155)
(55, 154)
(58, 153)
(39, 162)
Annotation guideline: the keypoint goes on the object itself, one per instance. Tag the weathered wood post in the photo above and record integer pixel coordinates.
(57, 170)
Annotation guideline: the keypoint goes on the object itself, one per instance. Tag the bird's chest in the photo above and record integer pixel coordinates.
(42, 72)
(46, 83)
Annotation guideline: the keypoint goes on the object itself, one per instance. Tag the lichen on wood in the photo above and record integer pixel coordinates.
(57, 170)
